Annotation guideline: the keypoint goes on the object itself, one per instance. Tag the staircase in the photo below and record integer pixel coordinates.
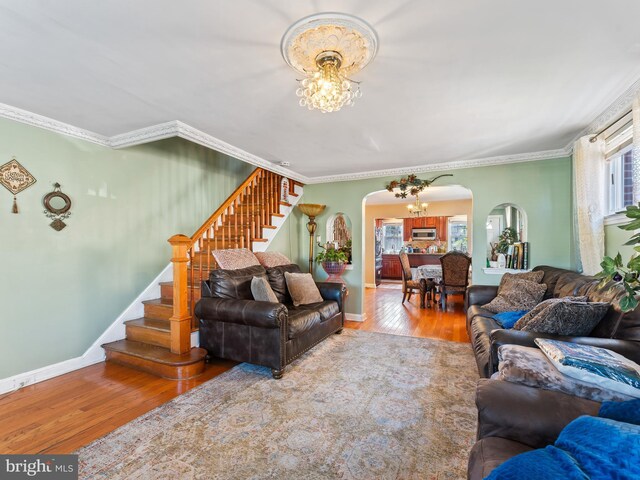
(160, 342)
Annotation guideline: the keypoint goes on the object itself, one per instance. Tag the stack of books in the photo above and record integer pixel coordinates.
(518, 256)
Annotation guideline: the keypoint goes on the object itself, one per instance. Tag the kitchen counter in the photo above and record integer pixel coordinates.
(415, 260)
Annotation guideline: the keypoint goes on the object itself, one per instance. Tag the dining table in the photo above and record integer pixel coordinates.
(428, 272)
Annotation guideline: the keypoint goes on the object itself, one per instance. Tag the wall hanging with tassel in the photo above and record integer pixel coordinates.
(15, 178)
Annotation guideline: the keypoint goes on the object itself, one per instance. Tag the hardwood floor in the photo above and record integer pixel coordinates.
(385, 313)
(63, 414)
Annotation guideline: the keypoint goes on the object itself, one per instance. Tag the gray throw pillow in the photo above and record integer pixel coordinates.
(531, 276)
(262, 291)
(517, 295)
(562, 316)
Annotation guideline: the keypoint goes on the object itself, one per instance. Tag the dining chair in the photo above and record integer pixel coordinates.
(455, 275)
(409, 285)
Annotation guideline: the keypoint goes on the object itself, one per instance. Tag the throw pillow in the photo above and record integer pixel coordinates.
(508, 319)
(530, 276)
(517, 295)
(594, 365)
(302, 288)
(529, 366)
(235, 258)
(628, 412)
(272, 259)
(562, 316)
(261, 290)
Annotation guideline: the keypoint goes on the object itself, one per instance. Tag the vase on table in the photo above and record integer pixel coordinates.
(334, 270)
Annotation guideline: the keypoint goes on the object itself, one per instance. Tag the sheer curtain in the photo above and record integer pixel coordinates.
(589, 178)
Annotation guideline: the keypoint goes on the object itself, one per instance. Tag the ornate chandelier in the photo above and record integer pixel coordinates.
(418, 209)
(327, 49)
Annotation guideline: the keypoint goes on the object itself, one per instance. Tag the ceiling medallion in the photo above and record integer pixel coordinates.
(327, 49)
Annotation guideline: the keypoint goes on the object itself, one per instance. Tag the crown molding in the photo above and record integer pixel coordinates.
(621, 105)
(433, 167)
(40, 121)
(179, 129)
(145, 135)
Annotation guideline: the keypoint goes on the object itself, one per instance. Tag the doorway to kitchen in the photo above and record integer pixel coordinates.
(442, 224)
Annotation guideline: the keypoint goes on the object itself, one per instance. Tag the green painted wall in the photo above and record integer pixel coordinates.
(614, 240)
(61, 290)
(287, 240)
(541, 188)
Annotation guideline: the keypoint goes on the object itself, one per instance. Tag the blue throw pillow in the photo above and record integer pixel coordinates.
(509, 319)
(628, 411)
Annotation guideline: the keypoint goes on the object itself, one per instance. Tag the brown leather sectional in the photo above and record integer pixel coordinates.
(617, 331)
(513, 418)
(236, 327)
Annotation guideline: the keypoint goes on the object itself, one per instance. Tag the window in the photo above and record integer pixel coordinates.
(620, 176)
(391, 237)
(619, 154)
(458, 235)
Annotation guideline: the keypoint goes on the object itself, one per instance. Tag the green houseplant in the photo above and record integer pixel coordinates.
(613, 269)
(333, 261)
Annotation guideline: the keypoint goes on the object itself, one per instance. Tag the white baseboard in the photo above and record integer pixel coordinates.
(354, 317)
(370, 285)
(95, 353)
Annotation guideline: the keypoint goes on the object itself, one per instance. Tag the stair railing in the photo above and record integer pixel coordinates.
(235, 224)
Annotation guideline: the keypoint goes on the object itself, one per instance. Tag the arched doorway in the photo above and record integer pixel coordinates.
(389, 226)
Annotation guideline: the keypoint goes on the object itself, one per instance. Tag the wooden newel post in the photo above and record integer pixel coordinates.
(181, 318)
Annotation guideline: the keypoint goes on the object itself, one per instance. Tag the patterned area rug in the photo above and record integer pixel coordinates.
(360, 405)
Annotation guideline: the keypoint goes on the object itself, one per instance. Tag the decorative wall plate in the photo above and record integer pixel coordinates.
(57, 206)
(15, 178)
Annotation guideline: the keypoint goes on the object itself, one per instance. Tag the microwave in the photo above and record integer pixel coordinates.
(423, 234)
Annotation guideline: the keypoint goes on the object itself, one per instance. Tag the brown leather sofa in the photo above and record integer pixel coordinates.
(617, 331)
(236, 327)
(514, 419)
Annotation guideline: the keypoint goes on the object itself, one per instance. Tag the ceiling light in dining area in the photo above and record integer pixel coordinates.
(327, 49)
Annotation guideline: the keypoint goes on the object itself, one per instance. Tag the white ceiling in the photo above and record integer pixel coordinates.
(431, 194)
(452, 81)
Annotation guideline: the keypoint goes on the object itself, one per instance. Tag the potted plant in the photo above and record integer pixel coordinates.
(629, 276)
(333, 261)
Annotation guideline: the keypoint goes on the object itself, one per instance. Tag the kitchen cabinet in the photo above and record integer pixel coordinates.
(407, 225)
(443, 228)
(391, 267)
(439, 223)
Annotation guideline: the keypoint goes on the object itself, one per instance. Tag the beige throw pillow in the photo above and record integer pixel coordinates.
(302, 288)
(262, 291)
(272, 259)
(517, 295)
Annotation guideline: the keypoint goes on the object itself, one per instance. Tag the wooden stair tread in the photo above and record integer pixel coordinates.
(170, 283)
(293, 194)
(150, 323)
(155, 353)
(158, 301)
